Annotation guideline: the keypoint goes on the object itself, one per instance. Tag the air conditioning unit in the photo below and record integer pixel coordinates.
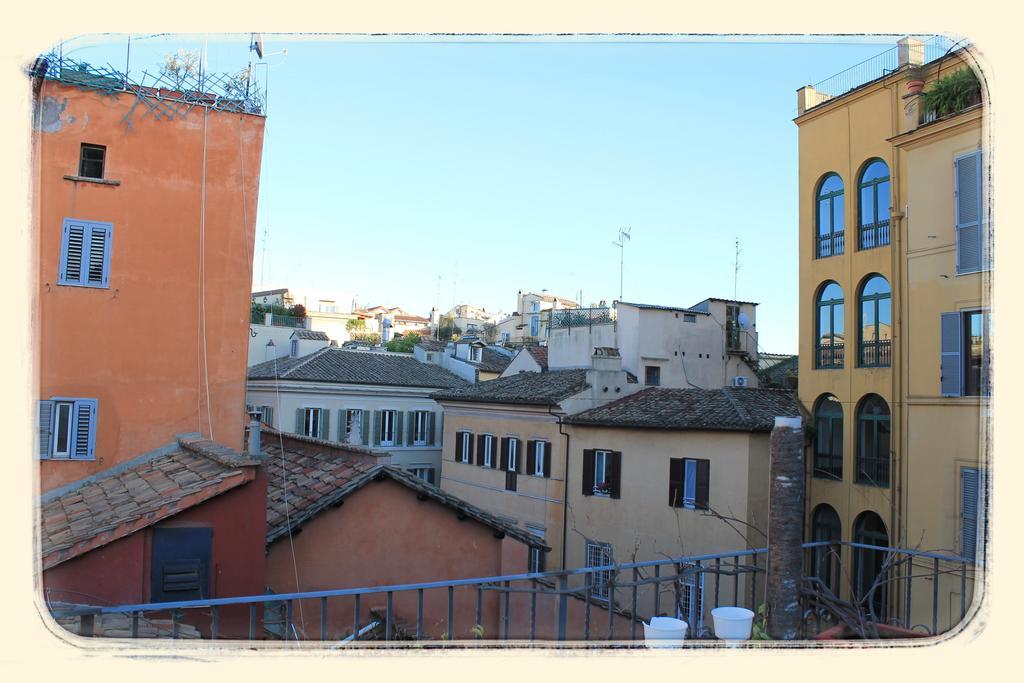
(739, 381)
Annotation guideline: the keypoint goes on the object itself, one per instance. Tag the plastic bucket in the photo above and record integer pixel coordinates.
(664, 632)
(732, 623)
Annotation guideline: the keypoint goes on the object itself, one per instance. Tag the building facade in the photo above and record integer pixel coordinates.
(375, 399)
(894, 321)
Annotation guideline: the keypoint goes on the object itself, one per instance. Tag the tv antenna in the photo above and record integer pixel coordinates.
(621, 244)
(736, 272)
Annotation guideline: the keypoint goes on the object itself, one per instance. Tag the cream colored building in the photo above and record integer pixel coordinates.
(894, 250)
(531, 319)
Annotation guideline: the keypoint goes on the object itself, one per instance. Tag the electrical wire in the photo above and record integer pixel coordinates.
(284, 489)
(202, 278)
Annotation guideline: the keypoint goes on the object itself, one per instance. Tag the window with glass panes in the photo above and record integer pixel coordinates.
(830, 217)
(873, 442)
(873, 205)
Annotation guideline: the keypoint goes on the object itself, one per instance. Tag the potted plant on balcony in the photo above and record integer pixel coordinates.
(952, 93)
(603, 489)
(915, 79)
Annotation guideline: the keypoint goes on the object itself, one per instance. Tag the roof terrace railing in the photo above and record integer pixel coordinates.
(605, 603)
(882, 65)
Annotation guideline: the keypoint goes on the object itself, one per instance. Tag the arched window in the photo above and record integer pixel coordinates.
(873, 439)
(828, 444)
(826, 527)
(829, 343)
(875, 327)
(868, 578)
(873, 208)
(829, 216)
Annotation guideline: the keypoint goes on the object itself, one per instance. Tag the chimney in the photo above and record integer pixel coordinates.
(253, 447)
(785, 529)
(911, 51)
(271, 352)
(607, 358)
(807, 97)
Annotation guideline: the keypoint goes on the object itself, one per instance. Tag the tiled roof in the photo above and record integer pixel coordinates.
(301, 333)
(358, 367)
(413, 319)
(119, 502)
(526, 388)
(492, 361)
(540, 354)
(731, 301)
(318, 481)
(749, 410)
(432, 344)
(654, 307)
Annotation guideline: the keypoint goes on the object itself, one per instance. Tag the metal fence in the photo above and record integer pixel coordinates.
(874, 235)
(876, 353)
(558, 606)
(828, 355)
(164, 93)
(832, 244)
(580, 317)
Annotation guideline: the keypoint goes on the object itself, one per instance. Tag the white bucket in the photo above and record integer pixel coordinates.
(664, 632)
(732, 623)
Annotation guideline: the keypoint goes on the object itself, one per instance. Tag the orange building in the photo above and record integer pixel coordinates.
(145, 208)
(145, 211)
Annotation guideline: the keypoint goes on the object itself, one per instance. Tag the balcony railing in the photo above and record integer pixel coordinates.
(873, 471)
(829, 356)
(580, 317)
(828, 466)
(832, 244)
(876, 353)
(539, 606)
(874, 235)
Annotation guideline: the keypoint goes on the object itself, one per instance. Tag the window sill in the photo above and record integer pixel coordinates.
(97, 181)
(601, 494)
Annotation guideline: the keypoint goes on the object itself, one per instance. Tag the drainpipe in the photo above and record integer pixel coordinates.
(565, 486)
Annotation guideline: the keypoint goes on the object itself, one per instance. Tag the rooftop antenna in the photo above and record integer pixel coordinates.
(263, 259)
(736, 272)
(621, 244)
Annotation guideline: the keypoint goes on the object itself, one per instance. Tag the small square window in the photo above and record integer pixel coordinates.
(92, 160)
(652, 375)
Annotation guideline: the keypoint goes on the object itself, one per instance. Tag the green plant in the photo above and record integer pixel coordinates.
(952, 93)
(478, 630)
(368, 337)
(759, 630)
(402, 344)
(355, 325)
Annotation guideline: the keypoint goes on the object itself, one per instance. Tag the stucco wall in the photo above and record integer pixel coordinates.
(132, 350)
(384, 535)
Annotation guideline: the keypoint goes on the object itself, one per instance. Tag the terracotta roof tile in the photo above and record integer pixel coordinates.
(72, 518)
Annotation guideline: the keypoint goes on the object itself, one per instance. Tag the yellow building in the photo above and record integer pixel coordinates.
(894, 348)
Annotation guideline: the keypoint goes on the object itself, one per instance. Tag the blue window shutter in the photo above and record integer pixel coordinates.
(83, 430)
(45, 429)
(325, 424)
(98, 273)
(300, 421)
(950, 363)
(72, 253)
(967, 187)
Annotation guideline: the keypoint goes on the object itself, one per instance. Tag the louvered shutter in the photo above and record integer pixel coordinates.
(300, 426)
(458, 446)
(364, 428)
(676, 475)
(615, 473)
(431, 428)
(969, 514)
(702, 493)
(325, 424)
(519, 454)
(376, 428)
(588, 472)
(967, 182)
(410, 431)
(98, 272)
(504, 453)
(45, 429)
(72, 253)
(269, 415)
(547, 459)
(531, 457)
(84, 430)
(950, 367)
(399, 417)
(479, 450)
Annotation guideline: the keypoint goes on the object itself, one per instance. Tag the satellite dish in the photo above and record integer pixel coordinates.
(743, 320)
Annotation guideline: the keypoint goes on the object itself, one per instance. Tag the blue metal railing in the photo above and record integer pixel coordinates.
(566, 597)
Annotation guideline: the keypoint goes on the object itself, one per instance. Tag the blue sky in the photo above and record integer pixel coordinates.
(512, 165)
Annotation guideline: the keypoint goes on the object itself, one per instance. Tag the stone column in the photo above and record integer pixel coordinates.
(785, 529)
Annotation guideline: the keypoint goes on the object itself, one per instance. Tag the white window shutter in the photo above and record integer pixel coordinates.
(45, 429)
(969, 514)
(950, 365)
(967, 182)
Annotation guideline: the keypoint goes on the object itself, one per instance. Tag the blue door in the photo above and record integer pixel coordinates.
(181, 563)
